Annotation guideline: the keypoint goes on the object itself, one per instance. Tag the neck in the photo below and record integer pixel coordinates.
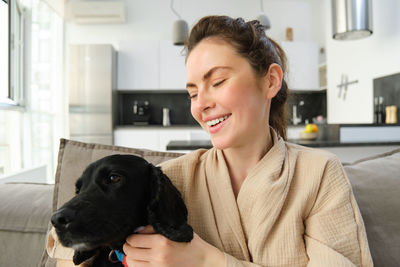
(242, 159)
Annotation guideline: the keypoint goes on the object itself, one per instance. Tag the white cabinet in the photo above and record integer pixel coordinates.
(138, 65)
(350, 93)
(150, 65)
(138, 138)
(169, 134)
(172, 66)
(303, 67)
(156, 138)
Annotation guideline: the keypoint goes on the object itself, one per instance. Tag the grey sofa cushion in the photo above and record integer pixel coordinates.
(74, 157)
(25, 211)
(376, 186)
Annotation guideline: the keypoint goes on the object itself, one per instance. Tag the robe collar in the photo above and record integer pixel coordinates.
(267, 183)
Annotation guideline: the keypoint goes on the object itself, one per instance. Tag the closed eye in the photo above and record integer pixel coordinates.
(192, 96)
(219, 83)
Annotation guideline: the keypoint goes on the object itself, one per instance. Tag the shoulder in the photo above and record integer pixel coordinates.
(318, 176)
(184, 162)
(311, 156)
(181, 169)
(319, 169)
(316, 167)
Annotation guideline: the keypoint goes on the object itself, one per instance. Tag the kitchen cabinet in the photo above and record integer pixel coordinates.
(139, 138)
(303, 66)
(155, 138)
(170, 134)
(150, 65)
(138, 65)
(349, 94)
(172, 66)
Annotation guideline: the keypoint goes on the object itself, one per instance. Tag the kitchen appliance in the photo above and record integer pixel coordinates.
(166, 120)
(91, 80)
(141, 112)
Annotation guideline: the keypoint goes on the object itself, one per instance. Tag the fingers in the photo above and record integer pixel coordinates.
(136, 254)
(134, 263)
(138, 247)
(144, 240)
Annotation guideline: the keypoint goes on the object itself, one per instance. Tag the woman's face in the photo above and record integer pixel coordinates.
(227, 98)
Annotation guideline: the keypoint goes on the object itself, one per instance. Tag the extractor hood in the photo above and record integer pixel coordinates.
(351, 19)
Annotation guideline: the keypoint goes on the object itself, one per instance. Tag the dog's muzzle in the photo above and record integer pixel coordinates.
(62, 218)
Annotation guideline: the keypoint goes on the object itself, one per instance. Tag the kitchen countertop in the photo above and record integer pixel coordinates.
(196, 144)
(158, 126)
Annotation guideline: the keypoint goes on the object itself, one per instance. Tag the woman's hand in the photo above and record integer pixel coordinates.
(149, 249)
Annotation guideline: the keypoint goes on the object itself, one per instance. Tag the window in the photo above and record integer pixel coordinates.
(30, 130)
(4, 44)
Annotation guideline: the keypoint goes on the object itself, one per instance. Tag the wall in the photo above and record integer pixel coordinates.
(362, 60)
(152, 20)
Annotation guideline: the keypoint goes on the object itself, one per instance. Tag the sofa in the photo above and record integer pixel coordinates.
(26, 208)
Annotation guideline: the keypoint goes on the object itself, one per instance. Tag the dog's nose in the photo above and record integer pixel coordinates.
(62, 218)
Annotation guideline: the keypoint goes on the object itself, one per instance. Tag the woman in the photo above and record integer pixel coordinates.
(253, 199)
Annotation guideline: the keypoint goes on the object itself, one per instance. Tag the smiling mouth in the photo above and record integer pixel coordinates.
(217, 121)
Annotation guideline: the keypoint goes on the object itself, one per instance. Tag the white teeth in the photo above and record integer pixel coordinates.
(216, 121)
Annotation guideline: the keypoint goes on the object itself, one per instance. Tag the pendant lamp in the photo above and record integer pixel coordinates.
(262, 18)
(180, 30)
(351, 19)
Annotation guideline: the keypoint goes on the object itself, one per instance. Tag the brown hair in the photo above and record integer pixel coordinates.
(250, 41)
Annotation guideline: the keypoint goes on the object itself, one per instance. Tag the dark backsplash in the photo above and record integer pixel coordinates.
(388, 87)
(177, 101)
(179, 105)
(310, 104)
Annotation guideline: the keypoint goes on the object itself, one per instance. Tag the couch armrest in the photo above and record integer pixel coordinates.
(25, 211)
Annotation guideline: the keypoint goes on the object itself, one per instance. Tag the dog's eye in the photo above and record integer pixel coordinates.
(113, 179)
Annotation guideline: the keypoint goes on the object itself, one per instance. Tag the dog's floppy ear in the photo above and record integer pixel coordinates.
(167, 212)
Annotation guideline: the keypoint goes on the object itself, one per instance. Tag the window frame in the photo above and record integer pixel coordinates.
(15, 98)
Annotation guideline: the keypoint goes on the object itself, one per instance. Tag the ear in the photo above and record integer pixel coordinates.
(167, 212)
(273, 80)
(81, 256)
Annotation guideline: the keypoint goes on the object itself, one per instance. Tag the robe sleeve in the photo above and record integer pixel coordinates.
(334, 230)
(233, 262)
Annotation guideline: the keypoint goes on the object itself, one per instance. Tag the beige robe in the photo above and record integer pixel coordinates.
(295, 208)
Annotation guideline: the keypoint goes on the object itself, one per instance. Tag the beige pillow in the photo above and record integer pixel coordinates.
(74, 157)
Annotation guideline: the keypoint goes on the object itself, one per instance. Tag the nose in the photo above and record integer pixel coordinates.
(62, 218)
(204, 100)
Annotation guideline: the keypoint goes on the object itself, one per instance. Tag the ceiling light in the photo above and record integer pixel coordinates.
(180, 29)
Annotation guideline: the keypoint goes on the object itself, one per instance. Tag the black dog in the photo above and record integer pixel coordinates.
(114, 196)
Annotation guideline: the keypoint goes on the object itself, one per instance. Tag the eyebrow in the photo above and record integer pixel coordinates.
(208, 74)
